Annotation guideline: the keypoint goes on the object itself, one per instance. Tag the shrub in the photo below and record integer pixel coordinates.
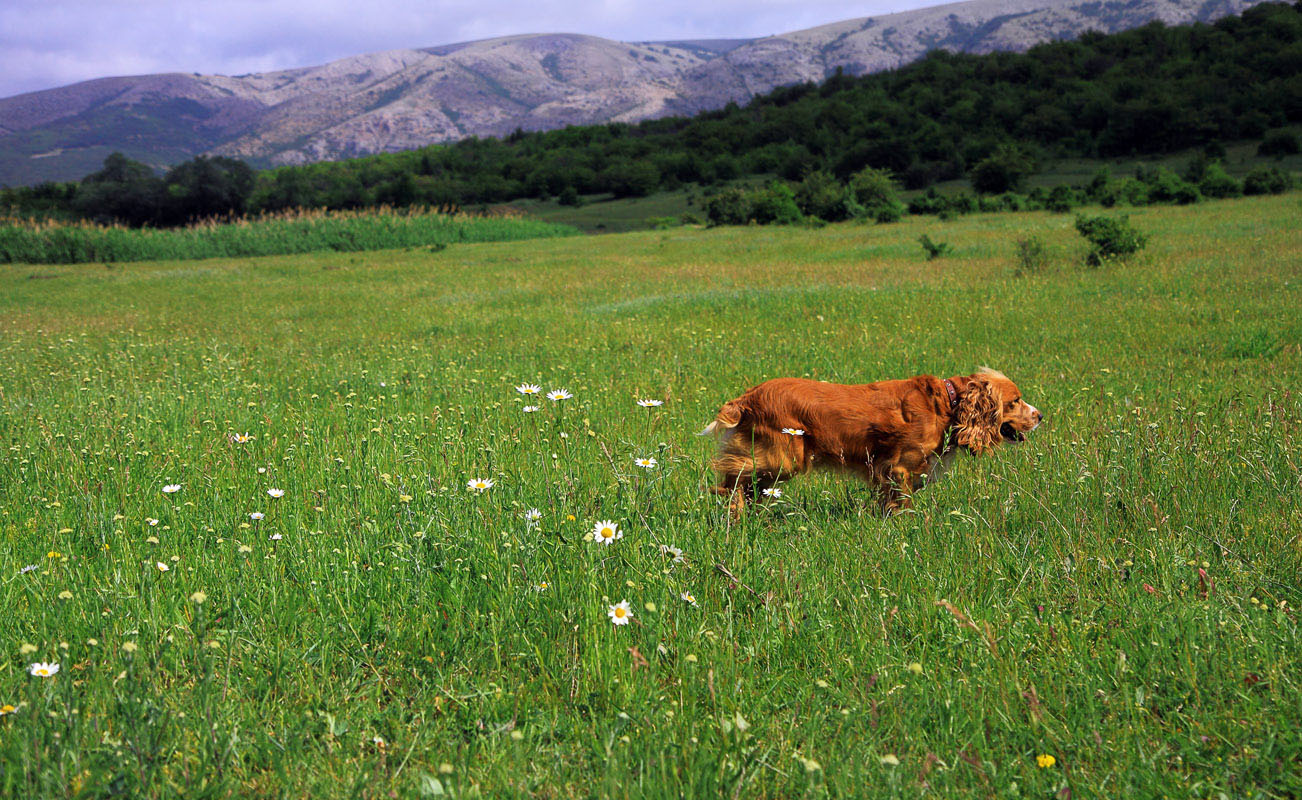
(821, 195)
(1133, 191)
(1032, 255)
(875, 192)
(729, 207)
(1062, 198)
(569, 196)
(1216, 182)
(934, 249)
(1109, 237)
(1267, 180)
(775, 204)
(1002, 171)
(1101, 188)
(1279, 144)
(929, 202)
(963, 203)
(1164, 186)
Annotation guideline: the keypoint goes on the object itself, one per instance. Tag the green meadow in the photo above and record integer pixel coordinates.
(1107, 610)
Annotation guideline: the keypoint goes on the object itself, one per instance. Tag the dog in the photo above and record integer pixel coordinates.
(893, 434)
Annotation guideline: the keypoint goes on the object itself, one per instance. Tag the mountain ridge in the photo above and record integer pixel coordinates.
(406, 98)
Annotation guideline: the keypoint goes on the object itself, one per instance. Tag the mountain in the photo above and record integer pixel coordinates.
(401, 99)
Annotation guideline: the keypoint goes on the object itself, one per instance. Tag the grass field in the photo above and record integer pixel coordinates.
(383, 631)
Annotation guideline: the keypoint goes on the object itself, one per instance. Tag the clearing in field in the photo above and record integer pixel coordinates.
(289, 526)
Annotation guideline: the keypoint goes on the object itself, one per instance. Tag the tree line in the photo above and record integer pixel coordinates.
(990, 118)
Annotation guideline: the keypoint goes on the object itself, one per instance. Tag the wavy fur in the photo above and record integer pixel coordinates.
(979, 415)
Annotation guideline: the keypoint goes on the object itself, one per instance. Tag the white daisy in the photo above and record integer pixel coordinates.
(276, 492)
(171, 488)
(256, 515)
(241, 438)
(794, 431)
(528, 388)
(650, 403)
(689, 598)
(772, 491)
(532, 516)
(529, 409)
(276, 537)
(542, 587)
(606, 532)
(646, 462)
(559, 394)
(479, 484)
(162, 567)
(619, 613)
(152, 522)
(675, 552)
(43, 670)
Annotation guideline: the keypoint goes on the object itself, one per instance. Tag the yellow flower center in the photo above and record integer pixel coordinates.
(619, 612)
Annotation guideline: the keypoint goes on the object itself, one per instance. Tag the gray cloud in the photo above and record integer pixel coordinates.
(47, 43)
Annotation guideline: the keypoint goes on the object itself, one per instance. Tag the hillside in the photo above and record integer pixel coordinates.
(403, 99)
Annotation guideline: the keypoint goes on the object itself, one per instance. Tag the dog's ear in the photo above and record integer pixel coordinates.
(978, 416)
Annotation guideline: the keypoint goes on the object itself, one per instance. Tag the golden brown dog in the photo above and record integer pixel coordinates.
(890, 433)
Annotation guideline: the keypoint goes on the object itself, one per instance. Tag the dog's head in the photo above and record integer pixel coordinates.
(991, 411)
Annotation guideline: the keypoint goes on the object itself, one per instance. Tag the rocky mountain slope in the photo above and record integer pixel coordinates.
(402, 99)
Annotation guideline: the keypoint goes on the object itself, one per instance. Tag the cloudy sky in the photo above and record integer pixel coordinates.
(48, 43)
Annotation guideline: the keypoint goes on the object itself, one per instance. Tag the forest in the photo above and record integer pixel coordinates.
(988, 118)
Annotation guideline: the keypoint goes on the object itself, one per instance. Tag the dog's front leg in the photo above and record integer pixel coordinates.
(898, 493)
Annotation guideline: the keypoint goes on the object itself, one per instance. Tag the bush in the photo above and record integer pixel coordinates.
(962, 203)
(1279, 144)
(569, 196)
(729, 207)
(1133, 191)
(1002, 171)
(1216, 182)
(821, 195)
(1267, 180)
(1164, 186)
(875, 192)
(934, 249)
(1062, 198)
(1110, 238)
(1032, 255)
(930, 202)
(775, 204)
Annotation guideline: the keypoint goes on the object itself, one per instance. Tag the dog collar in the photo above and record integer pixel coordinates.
(953, 395)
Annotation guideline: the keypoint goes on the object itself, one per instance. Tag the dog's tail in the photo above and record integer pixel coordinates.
(728, 418)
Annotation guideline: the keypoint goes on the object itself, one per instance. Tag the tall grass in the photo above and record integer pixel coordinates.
(1106, 610)
(282, 233)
